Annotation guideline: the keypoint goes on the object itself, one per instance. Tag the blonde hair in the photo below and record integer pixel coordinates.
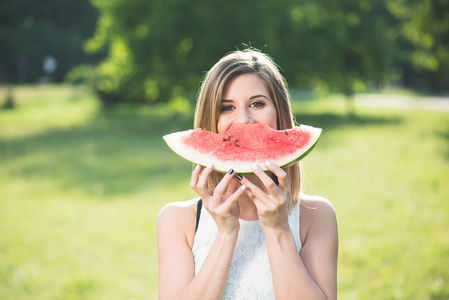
(210, 95)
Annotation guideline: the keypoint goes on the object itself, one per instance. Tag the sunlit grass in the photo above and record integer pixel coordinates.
(80, 189)
(385, 172)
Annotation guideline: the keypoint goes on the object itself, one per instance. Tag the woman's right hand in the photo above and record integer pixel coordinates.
(222, 203)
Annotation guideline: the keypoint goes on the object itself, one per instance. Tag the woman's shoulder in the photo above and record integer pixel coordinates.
(316, 203)
(317, 214)
(178, 217)
(179, 210)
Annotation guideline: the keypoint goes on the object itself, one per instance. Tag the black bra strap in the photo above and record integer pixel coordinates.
(198, 213)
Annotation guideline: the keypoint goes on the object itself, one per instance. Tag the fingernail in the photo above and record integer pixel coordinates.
(255, 166)
(243, 187)
(231, 171)
(209, 166)
(239, 177)
(267, 163)
(197, 167)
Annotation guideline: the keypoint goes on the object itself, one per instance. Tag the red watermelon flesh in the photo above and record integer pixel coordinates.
(243, 145)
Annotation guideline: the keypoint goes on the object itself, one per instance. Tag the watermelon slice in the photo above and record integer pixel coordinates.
(243, 145)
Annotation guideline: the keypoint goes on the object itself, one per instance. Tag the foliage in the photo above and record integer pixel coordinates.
(423, 31)
(83, 74)
(160, 49)
(337, 45)
(80, 190)
(32, 30)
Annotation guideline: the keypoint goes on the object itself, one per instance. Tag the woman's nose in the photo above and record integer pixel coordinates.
(244, 116)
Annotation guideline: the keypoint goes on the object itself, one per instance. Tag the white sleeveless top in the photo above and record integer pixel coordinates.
(250, 273)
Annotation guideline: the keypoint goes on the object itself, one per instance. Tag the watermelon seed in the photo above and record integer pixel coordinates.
(286, 133)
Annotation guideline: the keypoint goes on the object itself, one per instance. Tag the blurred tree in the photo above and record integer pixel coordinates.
(158, 50)
(423, 32)
(31, 30)
(337, 45)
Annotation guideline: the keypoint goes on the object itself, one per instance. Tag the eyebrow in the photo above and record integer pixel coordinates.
(257, 96)
(250, 98)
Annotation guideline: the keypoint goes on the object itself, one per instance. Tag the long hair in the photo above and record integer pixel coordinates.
(211, 92)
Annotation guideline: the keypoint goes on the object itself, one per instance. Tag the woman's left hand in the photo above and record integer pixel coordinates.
(272, 204)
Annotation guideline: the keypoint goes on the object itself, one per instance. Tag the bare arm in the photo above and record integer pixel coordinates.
(311, 275)
(176, 266)
(175, 231)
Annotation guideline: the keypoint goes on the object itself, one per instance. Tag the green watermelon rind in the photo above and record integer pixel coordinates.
(239, 167)
(302, 155)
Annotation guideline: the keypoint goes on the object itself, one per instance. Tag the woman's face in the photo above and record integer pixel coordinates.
(246, 100)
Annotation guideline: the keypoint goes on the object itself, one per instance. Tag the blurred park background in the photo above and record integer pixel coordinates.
(87, 89)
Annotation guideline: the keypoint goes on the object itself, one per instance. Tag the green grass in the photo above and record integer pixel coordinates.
(80, 190)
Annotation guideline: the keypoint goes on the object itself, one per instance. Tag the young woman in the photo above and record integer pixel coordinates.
(254, 236)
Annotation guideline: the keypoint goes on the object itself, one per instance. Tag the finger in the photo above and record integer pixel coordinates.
(233, 198)
(266, 180)
(221, 188)
(280, 174)
(233, 185)
(201, 185)
(255, 193)
(261, 205)
(195, 176)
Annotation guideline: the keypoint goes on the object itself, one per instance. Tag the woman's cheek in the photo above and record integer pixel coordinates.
(223, 125)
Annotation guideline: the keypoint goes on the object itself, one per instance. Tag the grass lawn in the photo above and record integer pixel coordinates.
(80, 190)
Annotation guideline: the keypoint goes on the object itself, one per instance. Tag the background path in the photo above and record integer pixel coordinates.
(402, 101)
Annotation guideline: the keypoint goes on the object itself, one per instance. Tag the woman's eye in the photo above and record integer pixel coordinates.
(257, 104)
(227, 108)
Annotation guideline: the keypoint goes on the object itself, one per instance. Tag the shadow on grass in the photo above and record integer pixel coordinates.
(329, 121)
(113, 155)
(120, 152)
